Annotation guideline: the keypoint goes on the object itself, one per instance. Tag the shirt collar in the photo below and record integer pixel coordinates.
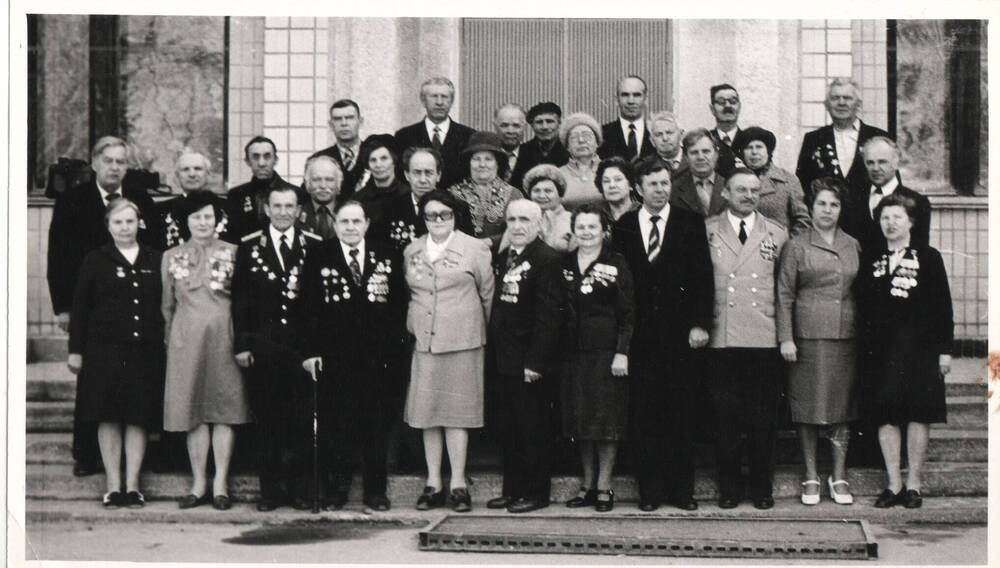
(276, 235)
(443, 127)
(640, 125)
(730, 133)
(329, 207)
(347, 250)
(647, 217)
(710, 178)
(353, 148)
(888, 188)
(750, 220)
(855, 126)
(105, 193)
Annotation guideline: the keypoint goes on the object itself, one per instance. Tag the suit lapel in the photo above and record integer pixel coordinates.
(271, 255)
(717, 203)
(729, 237)
(688, 194)
(754, 239)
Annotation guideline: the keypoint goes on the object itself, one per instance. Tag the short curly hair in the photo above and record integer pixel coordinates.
(543, 172)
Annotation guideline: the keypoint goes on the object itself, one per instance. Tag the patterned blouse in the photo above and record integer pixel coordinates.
(487, 210)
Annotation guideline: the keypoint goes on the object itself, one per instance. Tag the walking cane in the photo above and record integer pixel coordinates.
(315, 476)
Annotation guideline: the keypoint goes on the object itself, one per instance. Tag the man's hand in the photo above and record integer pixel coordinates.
(619, 365)
(697, 338)
(789, 351)
(244, 359)
(313, 366)
(531, 376)
(62, 320)
(74, 362)
(944, 361)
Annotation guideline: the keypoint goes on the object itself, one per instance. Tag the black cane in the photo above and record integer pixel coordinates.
(315, 476)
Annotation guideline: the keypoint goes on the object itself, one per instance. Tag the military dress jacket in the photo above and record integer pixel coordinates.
(745, 279)
(245, 204)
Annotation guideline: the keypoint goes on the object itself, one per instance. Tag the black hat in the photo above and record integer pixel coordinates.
(544, 108)
(376, 141)
(197, 200)
(748, 135)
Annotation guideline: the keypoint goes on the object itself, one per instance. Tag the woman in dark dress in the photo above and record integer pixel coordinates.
(381, 183)
(600, 318)
(116, 347)
(906, 336)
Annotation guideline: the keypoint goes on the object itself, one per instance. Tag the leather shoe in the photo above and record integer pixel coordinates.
(911, 499)
(222, 503)
(685, 504)
(113, 500)
(336, 501)
(888, 499)
(461, 501)
(135, 500)
(81, 469)
(648, 506)
(763, 503)
(500, 502)
(728, 503)
(607, 503)
(265, 505)
(584, 498)
(192, 500)
(378, 502)
(430, 499)
(526, 505)
(301, 504)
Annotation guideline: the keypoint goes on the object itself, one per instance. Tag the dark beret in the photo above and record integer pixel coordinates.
(548, 107)
(748, 135)
(376, 141)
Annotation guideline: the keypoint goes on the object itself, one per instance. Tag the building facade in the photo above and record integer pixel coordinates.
(211, 83)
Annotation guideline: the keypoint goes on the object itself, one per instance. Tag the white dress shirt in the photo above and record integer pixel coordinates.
(874, 198)
(735, 221)
(276, 235)
(435, 250)
(847, 145)
(646, 225)
(105, 193)
(361, 253)
(442, 128)
(730, 133)
(640, 131)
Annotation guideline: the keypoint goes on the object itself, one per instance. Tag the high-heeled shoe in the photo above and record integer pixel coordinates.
(431, 499)
(813, 499)
(584, 498)
(844, 498)
(889, 499)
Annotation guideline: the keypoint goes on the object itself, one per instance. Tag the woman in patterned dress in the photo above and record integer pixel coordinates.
(484, 190)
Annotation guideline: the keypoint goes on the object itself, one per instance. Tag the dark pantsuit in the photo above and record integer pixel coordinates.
(744, 385)
(525, 429)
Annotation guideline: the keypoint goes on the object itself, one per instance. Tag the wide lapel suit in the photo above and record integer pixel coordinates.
(615, 143)
(818, 158)
(857, 220)
(685, 195)
(454, 142)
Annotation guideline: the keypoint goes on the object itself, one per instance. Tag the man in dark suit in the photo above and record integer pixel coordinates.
(508, 122)
(193, 169)
(246, 202)
(356, 300)
(265, 297)
(666, 137)
(627, 136)
(699, 188)
(78, 227)
(667, 251)
(345, 122)
(881, 159)
(323, 179)
(522, 338)
(437, 130)
(545, 147)
(724, 103)
(827, 151)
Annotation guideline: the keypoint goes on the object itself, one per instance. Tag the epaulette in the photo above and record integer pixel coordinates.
(251, 236)
(313, 236)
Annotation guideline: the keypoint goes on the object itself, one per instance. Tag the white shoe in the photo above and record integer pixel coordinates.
(840, 498)
(810, 499)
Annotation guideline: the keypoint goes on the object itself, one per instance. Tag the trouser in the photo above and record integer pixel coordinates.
(663, 423)
(524, 422)
(744, 387)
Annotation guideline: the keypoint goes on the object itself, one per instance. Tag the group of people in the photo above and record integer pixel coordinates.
(598, 282)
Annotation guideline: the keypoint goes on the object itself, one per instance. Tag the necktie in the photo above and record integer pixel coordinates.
(112, 197)
(726, 139)
(354, 266)
(674, 164)
(286, 253)
(874, 200)
(704, 193)
(436, 140)
(348, 158)
(323, 222)
(511, 259)
(654, 238)
(743, 232)
(632, 146)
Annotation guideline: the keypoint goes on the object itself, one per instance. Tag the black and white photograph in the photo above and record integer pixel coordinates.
(581, 284)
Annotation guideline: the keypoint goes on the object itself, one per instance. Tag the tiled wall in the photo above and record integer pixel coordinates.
(41, 320)
(960, 230)
(868, 62)
(295, 89)
(246, 91)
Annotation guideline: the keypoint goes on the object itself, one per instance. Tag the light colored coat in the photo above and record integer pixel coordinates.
(744, 282)
(782, 200)
(816, 287)
(450, 299)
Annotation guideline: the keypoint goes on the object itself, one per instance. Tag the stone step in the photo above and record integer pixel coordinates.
(56, 481)
(48, 348)
(942, 510)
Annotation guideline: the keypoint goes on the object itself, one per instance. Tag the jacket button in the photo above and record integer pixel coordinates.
(753, 304)
(732, 275)
(284, 307)
(135, 284)
(754, 275)
(754, 290)
(732, 304)
(135, 301)
(135, 334)
(136, 318)
(731, 289)
(283, 321)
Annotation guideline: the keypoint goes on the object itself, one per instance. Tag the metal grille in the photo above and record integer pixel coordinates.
(654, 536)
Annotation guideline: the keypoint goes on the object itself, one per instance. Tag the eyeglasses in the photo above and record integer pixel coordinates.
(439, 216)
(585, 136)
(732, 101)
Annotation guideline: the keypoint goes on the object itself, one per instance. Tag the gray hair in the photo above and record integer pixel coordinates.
(663, 116)
(514, 106)
(579, 119)
(438, 80)
(105, 142)
(189, 152)
(322, 158)
(118, 204)
(536, 209)
(887, 141)
(845, 82)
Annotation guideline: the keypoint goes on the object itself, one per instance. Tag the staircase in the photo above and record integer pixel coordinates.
(956, 462)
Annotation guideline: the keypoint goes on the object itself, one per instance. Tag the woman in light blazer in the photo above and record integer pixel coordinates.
(816, 329)
(451, 292)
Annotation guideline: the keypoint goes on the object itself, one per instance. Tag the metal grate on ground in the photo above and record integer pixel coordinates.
(654, 536)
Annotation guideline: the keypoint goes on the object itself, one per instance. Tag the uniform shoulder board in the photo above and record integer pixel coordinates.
(313, 236)
(251, 236)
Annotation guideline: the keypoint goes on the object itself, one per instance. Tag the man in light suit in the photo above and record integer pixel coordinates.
(437, 130)
(835, 149)
(667, 252)
(355, 301)
(345, 122)
(627, 136)
(699, 188)
(743, 364)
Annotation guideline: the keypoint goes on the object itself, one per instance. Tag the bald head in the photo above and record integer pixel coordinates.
(509, 121)
(524, 221)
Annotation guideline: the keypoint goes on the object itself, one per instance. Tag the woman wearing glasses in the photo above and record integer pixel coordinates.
(581, 134)
(451, 290)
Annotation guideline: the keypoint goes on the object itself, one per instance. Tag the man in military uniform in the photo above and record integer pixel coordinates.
(355, 299)
(744, 368)
(193, 169)
(523, 329)
(246, 202)
(265, 294)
